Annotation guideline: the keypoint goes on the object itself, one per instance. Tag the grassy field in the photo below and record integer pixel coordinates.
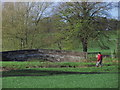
(36, 74)
(36, 64)
(60, 74)
(63, 81)
(47, 71)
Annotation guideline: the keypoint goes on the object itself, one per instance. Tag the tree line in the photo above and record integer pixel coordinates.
(64, 25)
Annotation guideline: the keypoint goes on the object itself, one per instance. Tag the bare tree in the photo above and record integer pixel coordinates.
(21, 21)
(40, 11)
(86, 20)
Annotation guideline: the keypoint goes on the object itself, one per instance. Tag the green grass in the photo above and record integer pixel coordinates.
(87, 69)
(93, 46)
(50, 79)
(63, 81)
(36, 64)
(54, 71)
(65, 77)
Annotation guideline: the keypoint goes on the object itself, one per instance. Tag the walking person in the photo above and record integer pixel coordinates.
(99, 60)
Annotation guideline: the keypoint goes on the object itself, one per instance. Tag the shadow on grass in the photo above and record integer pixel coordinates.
(30, 72)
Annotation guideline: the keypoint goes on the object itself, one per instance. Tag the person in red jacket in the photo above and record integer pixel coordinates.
(99, 60)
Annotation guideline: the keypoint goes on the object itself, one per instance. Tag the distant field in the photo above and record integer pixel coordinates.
(93, 45)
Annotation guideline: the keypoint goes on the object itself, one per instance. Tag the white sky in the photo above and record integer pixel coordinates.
(59, 0)
(113, 12)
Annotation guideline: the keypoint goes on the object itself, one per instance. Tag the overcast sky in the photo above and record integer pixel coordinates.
(113, 12)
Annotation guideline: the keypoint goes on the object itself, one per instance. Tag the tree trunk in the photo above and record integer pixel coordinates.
(59, 45)
(22, 43)
(84, 44)
(26, 40)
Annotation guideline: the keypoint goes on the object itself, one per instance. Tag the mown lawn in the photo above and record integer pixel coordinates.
(63, 81)
(59, 75)
(89, 77)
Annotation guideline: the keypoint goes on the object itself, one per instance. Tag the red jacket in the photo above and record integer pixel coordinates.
(99, 57)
